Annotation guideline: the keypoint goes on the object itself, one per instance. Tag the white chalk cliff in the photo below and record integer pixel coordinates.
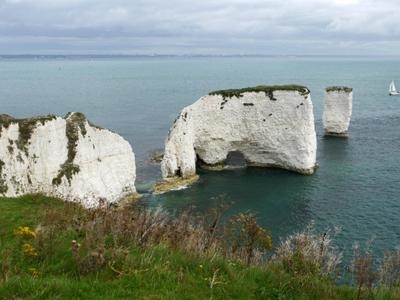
(337, 110)
(64, 157)
(270, 125)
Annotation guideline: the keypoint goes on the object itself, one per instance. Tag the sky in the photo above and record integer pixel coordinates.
(216, 27)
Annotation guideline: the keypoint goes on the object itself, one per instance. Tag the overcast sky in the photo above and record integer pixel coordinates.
(342, 27)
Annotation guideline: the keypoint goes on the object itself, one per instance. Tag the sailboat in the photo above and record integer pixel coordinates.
(392, 90)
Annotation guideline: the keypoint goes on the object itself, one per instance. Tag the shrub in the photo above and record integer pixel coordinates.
(248, 240)
(309, 253)
(103, 235)
(390, 269)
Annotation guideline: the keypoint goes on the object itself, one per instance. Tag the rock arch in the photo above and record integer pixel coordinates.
(235, 159)
(269, 125)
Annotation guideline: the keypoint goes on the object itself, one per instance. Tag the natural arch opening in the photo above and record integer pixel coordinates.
(235, 159)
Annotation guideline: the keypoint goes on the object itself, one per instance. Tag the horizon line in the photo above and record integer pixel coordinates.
(8, 55)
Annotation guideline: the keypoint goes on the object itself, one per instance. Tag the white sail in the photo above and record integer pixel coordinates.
(392, 88)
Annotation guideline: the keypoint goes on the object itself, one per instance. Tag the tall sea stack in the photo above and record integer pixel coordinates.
(337, 110)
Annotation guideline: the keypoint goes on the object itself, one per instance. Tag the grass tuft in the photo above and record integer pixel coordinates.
(51, 249)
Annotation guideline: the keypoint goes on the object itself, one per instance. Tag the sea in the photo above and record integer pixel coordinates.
(355, 189)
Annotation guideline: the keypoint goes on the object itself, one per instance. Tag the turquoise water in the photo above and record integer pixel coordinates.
(356, 186)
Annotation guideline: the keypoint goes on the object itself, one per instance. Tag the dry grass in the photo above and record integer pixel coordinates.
(106, 233)
(390, 269)
(307, 252)
(363, 270)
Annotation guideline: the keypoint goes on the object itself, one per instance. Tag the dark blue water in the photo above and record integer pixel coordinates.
(356, 186)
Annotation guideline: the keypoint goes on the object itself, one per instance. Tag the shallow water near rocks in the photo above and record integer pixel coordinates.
(356, 186)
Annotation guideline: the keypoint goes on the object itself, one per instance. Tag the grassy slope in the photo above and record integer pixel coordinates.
(157, 273)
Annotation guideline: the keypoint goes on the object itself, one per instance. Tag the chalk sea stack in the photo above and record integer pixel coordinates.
(65, 157)
(271, 126)
(337, 110)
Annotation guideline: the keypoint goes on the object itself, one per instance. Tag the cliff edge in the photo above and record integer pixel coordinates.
(64, 157)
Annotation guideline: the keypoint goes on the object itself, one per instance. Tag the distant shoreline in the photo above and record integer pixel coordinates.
(122, 56)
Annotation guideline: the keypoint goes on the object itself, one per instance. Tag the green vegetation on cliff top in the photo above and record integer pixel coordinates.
(267, 89)
(26, 127)
(53, 250)
(75, 123)
(339, 89)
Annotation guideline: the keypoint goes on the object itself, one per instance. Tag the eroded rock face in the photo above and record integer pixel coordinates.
(270, 126)
(337, 110)
(64, 157)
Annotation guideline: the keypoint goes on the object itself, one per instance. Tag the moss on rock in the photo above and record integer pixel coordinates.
(267, 89)
(75, 124)
(25, 127)
(3, 185)
(67, 169)
(78, 120)
(10, 149)
(339, 89)
(5, 120)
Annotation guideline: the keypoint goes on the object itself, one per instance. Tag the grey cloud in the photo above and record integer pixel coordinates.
(235, 26)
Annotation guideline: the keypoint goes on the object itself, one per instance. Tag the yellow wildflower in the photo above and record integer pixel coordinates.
(29, 250)
(25, 232)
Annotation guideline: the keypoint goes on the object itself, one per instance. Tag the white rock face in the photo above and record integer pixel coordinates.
(270, 126)
(64, 157)
(337, 110)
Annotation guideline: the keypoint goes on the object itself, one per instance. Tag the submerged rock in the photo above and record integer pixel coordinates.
(64, 157)
(156, 156)
(174, 184)
(271, 126)
(337, 110)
